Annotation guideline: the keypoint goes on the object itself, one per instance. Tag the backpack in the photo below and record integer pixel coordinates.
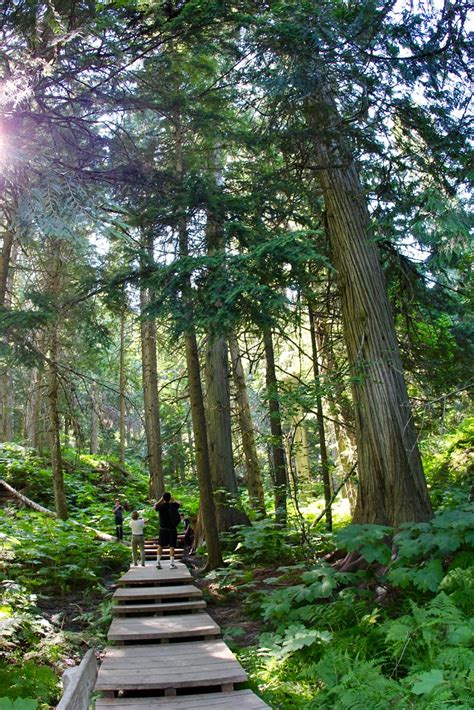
(175, 516)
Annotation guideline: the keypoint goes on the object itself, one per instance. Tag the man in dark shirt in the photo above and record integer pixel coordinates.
(167, 509)
(118, 515)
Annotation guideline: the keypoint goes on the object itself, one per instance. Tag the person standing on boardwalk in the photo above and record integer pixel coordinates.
(118, 514)
(168, 510)
(138, 538)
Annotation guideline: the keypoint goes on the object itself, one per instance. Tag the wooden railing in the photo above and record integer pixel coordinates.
(78, 683)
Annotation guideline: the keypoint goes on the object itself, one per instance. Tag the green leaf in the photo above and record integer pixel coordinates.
(427, 681)
(18, 704)
(429, 577)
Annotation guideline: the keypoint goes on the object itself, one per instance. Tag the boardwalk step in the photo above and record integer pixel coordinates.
(181, 591)
(175, 626)
(238, 699)
(161, 608)
(197, 664)
(151, 576)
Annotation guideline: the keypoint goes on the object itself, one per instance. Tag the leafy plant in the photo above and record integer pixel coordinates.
(28, 680)
(262, 542)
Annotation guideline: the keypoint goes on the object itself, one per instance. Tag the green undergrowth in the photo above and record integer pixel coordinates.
(48, 564)
(396, 633)
(448, 461)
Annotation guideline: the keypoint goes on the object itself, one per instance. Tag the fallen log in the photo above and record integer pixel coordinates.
(27, 501)
(105, 537)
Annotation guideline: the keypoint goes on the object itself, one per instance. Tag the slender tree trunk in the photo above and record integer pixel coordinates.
(340, 410)
(190, 446)
(54, 427)
(254, 478)
(392, 485)
(207, 505)
(33, 410)
(150, 388)
(220, 437)
(180, 458)
(278, 448)
(94, 441)
(152, 406)
(122, 384)
(323, 455)
(218, 392)
(5, 257)
(7, 401)
(303, 468)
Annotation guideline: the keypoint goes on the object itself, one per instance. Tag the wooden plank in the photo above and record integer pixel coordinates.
(178, 652)
(151, 575)
(155, 593)
(160, 608)
(242, 699)
(165, 627)
(181, 665)
(78, 683)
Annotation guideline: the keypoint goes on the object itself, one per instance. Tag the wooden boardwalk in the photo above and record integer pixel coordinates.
(167, 651)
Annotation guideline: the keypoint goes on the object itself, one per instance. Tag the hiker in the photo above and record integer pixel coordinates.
(118, 514)
(188, 532)
(138, 538)
(168, 510)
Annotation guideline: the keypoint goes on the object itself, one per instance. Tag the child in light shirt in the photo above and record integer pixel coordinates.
(138, 538)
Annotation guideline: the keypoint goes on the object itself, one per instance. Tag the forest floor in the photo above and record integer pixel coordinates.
(226, 605)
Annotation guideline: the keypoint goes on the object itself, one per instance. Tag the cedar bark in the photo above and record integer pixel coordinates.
(254, 478)
(150, 388)
(277, 446)
(207, 505)
(392, 485)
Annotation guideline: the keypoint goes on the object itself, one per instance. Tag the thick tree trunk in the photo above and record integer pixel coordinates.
(254, 478)
(392, 485)
(323, 455)
(122, 384)
(207, 505)
(150, 391)
(278, 448)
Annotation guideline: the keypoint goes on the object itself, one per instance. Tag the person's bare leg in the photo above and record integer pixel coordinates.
(159, 551)
(172, 564)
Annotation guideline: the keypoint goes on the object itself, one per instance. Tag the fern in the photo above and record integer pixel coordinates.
(459, 585)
